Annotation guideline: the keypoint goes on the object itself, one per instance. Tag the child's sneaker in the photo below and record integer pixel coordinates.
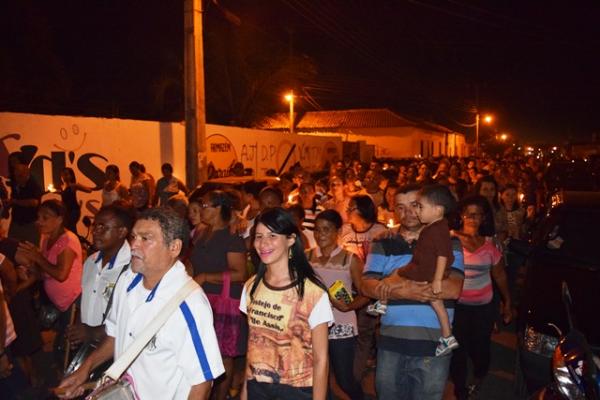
(446, 345)
(377, 309)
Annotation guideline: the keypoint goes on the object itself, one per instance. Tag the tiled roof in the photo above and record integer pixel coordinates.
(344, 119)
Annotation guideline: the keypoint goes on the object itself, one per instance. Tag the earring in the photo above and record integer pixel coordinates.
(290, 253)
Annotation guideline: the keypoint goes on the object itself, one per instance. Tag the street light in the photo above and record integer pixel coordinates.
(290, 99)
(488, 120)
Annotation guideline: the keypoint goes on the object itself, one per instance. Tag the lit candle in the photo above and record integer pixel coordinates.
(521, 197)
(51, 188)
(290, 198)
(391, 223)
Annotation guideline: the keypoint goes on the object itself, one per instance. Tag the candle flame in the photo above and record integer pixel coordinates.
(51, 188)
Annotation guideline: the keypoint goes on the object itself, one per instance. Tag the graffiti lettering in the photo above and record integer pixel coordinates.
(220, 147)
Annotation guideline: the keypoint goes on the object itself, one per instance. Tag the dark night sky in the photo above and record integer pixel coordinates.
(535, 64)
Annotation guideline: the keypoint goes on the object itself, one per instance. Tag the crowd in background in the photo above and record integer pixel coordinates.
(338, 212)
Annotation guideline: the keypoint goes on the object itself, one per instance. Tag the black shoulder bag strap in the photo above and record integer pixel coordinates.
(112, 293)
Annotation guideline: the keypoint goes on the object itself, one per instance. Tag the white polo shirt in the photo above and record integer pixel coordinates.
(97, 283)
(183, 353)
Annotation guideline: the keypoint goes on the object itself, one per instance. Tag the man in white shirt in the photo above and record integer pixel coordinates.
(101, 270)
(183, 358)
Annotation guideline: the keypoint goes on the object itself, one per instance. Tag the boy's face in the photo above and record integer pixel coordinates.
(428, 212)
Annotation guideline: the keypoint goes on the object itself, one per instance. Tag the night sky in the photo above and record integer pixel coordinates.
(535, 65)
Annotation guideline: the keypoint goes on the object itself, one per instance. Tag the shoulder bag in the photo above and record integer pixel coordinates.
(114, 387)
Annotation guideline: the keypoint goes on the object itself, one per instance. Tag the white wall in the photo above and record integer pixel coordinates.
(88, 144)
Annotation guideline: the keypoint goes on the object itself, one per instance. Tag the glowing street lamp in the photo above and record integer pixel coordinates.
(290, 99)
(486, 119)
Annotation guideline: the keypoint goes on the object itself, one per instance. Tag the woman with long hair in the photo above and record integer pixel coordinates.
(385, 212)
(334, 264)
(288, 315)
(475, 311)
(488, 188)
(219, 255)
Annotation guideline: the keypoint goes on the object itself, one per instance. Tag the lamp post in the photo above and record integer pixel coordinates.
(290, 99)
(488, 120)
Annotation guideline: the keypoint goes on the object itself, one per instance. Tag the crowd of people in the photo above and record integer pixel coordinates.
(309, 280)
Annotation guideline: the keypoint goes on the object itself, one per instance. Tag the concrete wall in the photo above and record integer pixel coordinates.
(89, 144)
(405, 142)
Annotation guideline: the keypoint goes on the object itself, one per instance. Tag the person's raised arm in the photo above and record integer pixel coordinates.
(64, 261)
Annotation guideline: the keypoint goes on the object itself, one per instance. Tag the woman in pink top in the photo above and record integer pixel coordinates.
(58, 261)
(475, 311)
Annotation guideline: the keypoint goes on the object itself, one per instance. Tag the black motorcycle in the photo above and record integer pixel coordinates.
(574, 366)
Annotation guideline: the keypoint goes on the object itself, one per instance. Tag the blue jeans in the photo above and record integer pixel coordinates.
(410, 378)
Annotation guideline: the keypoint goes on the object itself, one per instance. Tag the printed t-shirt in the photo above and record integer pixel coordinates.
(280, 334)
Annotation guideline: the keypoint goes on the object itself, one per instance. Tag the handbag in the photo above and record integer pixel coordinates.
(114, 387)
(227, 318)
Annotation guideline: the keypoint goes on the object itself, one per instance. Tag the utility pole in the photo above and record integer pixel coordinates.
(196, 165)
(477, 134)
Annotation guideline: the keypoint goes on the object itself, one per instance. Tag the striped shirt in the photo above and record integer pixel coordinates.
(477, 288)
(408, 327)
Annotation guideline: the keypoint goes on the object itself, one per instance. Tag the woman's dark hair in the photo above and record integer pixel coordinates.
(489, 179)
(365, 207)
(71, 174)
(487, 225)
(384, 204)
(514, 187)
(220, 198)
(279, 221)
(331, 216)
(115, 170)
(55, 206)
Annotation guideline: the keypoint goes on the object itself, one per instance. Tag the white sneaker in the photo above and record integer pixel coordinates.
(446, 345)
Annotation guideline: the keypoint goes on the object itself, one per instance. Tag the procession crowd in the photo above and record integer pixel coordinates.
(309, 280)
